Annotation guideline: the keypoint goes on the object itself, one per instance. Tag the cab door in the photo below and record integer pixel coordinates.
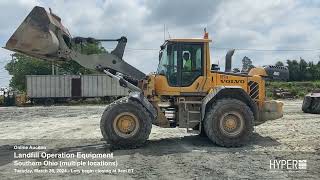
(178, 73)
(192, 69)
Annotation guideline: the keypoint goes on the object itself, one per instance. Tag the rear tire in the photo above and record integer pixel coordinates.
(315, 106)
(229, 123)
(125, 124)
(306, 104)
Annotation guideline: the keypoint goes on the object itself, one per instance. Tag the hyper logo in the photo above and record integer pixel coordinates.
(288, 164)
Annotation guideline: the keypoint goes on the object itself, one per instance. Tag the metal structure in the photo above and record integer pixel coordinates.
(185, 91)
(62, 87)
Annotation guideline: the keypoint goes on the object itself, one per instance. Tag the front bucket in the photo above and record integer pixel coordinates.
(38, 35)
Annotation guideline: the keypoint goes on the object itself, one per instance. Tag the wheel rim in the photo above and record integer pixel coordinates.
(126, 124)
(231, 123)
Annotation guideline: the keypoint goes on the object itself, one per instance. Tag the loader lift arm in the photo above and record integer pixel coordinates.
(42, 35)
(118, 51)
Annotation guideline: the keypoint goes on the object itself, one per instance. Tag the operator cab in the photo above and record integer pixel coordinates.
(182, 61)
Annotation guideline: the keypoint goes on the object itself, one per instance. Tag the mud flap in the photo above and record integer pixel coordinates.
(271, 110)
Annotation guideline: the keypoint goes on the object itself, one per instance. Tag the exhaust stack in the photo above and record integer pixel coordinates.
(229, 60)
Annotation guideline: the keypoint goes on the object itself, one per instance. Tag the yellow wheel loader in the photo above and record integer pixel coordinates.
(186, 91)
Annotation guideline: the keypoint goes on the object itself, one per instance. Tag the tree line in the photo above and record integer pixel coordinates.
(21, 65)
(302, 70)
(299, 70)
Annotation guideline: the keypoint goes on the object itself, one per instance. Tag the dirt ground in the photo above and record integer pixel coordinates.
(169, 153)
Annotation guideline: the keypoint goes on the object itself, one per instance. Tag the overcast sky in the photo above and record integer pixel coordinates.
(253, 24)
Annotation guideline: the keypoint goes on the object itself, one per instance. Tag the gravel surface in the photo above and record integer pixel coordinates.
(168, 154)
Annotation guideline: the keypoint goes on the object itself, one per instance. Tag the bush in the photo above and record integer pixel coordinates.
(298, 89)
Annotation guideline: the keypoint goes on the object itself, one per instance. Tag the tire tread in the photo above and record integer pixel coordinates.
(213, 132)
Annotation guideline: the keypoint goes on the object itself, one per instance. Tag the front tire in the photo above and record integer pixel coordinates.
(125, 123)
(229, 122)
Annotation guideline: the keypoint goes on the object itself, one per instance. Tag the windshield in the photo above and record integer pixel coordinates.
(168, 60)
(168, 63)
(163, 62)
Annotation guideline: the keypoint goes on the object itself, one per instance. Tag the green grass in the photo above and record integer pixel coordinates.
(297, 89)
